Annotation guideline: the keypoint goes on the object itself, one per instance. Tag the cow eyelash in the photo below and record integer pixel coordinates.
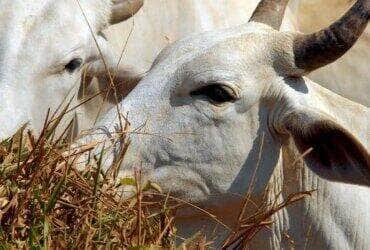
(216, 93)
(73, 65)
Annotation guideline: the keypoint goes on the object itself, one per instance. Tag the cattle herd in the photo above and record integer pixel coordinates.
(222, 102)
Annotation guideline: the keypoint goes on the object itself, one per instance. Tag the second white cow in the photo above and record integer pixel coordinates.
(43, 48)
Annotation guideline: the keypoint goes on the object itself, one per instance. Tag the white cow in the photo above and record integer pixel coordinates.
(43, 46)
(221, 103)
(179, 18)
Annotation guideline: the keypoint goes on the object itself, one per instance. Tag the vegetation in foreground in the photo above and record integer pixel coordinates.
(48, 201)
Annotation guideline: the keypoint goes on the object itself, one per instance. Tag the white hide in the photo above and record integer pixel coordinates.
(207, 153)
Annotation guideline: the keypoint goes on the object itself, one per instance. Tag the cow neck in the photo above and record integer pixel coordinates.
(333, 217)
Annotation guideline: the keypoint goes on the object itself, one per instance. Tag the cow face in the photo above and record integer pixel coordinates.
(212, 114)
(204, 110)
(201, 102)
(43, 47)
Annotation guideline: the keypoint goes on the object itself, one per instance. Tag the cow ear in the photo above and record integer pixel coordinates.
(114, 82)
(124, 9)
(332, 151)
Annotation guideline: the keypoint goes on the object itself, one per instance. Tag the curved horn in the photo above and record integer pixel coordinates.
(321, 48)
(270, 12)
(124, 9)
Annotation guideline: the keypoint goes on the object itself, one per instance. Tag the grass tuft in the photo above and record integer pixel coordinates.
(46, 201)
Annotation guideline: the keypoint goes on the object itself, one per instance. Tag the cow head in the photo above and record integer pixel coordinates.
(217, 105)
(43, 47)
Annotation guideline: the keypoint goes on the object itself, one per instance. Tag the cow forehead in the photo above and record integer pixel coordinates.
(213, 50)
(189, 48)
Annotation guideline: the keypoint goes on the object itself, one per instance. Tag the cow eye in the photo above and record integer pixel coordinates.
(73, 65)
(216, 93)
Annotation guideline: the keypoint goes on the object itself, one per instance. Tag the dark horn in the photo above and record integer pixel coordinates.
(321, 48)
(124, 9)
(270, 12)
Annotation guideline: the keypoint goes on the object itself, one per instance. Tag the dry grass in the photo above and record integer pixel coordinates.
(47, 202)
(249, 226)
